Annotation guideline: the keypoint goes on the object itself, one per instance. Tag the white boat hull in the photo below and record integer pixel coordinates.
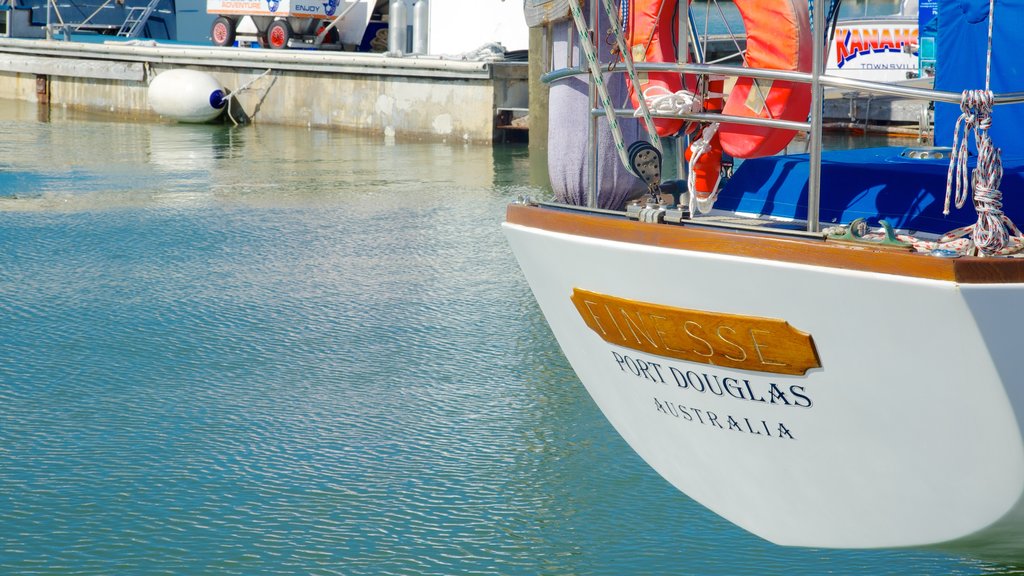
(907, 435)
(879, 50)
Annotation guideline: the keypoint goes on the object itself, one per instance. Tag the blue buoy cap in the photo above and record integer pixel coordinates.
(217, 99)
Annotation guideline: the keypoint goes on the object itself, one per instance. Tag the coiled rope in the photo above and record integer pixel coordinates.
(993, 234)
(661, 100)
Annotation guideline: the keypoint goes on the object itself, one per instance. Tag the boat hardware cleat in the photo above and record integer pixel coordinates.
(927, 153)
(647, 211)
(858, 233)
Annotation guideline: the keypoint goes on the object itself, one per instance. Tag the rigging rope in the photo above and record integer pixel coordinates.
(627, 59)
(597, 77)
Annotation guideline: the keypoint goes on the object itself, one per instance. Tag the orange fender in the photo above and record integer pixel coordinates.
(706, 172)
(778, 38)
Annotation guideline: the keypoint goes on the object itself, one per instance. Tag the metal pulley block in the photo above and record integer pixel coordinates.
(645, 162)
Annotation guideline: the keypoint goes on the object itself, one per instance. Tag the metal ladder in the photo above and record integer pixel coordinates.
(136, 20)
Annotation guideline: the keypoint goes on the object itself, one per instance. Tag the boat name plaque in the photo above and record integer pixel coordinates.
(720, 339)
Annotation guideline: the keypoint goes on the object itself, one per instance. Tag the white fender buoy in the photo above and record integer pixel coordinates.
(187, 95)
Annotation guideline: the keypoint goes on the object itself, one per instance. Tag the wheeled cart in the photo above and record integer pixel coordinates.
(289, 23)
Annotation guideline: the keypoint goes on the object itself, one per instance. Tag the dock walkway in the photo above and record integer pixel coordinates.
(405, 97)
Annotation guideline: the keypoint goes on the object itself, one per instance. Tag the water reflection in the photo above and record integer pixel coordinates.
(189, 148)
(264, 350)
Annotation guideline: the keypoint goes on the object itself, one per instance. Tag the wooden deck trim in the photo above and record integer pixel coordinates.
(771, 247)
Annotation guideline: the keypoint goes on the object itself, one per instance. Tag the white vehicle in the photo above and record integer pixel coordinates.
(877, 48)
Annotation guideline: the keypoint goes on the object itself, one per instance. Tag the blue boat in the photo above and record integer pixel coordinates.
(165, 20)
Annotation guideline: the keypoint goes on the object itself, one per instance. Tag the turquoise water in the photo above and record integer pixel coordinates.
(265, 350)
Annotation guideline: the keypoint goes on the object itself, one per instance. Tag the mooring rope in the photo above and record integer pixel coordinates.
(229, 97)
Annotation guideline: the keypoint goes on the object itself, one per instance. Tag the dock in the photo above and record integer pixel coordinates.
(409, 97)
(857, 111)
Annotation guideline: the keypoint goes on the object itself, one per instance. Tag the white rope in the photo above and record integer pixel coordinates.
(988, 53)
(229, 97)
(246, 86)
(662, 101)
(697, 149)
(993, 234)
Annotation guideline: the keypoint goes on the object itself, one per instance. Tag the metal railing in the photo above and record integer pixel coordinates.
(825, 80)
(813, 126)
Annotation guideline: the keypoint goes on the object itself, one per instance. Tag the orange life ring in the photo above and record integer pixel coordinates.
(651, 28)
(778, 38)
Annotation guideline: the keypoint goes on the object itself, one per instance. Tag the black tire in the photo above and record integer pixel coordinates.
(278, 34)
(222, 33)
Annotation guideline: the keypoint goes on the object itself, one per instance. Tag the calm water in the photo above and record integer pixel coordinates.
(266, 350)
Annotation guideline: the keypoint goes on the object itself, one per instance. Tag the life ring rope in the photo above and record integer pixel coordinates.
(650, 34)
(698, 148)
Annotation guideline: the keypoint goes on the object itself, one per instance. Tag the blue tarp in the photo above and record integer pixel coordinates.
(879, 183)
(872, 183)
(961, 47)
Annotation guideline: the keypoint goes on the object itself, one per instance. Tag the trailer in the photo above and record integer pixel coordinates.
(329, 24)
